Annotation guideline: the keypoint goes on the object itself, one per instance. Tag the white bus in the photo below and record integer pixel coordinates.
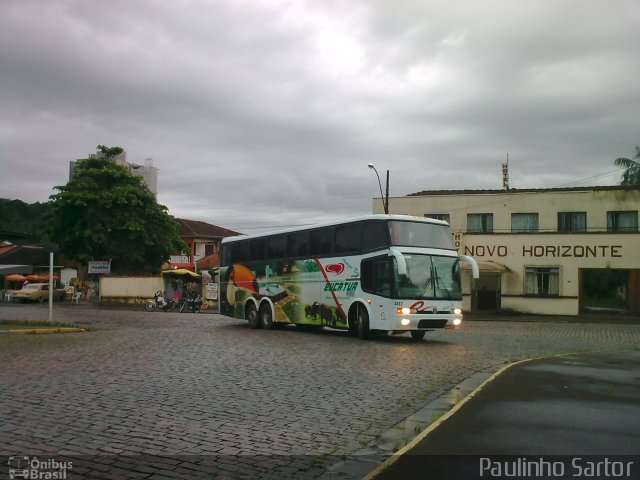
(376, 273)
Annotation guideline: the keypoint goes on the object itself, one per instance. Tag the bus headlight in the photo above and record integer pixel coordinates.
(457, 311)
(457, 322)
(405, 322)
(406, 311)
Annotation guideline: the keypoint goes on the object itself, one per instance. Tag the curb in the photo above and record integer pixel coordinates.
(38, 331)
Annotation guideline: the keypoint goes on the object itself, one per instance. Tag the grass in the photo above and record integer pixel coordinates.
(18, 324)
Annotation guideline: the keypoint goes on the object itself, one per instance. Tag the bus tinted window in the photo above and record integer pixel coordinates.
(375, 276)
(374, 235)
(321, 241)
(298, 244)
(239, 251)
(256, 249)
(276, 246)
(413, 234)
(348, 238)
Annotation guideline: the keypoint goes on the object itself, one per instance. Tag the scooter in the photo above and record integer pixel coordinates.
(159, 302)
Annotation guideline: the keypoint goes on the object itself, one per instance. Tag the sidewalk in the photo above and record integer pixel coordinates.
(570, 407)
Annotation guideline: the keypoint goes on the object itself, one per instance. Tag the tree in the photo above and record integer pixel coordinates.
(106, 213)
(30, 219)
(631, 175)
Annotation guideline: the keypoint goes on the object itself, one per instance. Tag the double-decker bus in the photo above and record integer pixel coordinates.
(376, 273)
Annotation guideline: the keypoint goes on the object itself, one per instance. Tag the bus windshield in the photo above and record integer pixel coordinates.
(420, 234)
(429, 276)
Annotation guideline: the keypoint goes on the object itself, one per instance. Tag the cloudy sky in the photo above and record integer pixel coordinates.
(266, 113)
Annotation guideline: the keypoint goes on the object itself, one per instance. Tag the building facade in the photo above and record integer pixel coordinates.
(204, 244)
(556, 251)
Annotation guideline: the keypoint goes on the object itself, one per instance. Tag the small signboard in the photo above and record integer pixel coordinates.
(99, 267)
(212, 291)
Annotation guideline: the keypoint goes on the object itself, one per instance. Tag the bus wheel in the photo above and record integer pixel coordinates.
(251, 314)
(362, 323)
(266, 318)
(417, 335)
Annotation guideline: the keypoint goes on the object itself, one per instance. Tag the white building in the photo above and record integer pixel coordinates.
(544, 251)
(148, 172)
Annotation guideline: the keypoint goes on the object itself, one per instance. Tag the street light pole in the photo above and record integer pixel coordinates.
(385, 204)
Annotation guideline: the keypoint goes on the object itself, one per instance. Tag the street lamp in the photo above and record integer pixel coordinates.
(385, 201)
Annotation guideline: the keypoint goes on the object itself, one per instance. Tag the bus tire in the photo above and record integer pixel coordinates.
(362, 323)
(417, 335)
(251, 314)
(266, 317)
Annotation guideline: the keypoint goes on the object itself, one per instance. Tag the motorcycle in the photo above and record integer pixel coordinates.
(191, 304)
(159, 302)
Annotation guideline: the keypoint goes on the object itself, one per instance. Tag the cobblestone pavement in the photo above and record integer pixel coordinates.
(169, 395)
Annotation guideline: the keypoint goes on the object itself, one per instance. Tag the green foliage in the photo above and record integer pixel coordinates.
(110, 152)
(106, 213)
(18, 216)
(631, 175)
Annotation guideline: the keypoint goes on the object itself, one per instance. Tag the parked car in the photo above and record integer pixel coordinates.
(38, 292)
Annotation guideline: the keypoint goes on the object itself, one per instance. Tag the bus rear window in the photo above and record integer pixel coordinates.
(413, 234)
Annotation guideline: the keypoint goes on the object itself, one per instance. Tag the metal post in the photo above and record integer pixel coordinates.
(50, 287)
(386, 201)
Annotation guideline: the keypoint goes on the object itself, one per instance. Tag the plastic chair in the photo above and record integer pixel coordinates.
(8, 295)
(76, 297)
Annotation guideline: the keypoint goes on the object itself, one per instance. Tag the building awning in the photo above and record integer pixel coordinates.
(487, 266)
(9, 269)
(180, 272)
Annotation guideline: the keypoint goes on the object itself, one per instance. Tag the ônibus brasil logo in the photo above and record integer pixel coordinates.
(34, 468)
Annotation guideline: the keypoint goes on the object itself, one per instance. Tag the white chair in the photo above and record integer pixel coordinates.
(76, 297)
(8, 295)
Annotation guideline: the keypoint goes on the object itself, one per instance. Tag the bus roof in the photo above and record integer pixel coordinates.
(404, 218)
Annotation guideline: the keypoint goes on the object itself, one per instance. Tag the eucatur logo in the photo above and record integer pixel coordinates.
(335, 268)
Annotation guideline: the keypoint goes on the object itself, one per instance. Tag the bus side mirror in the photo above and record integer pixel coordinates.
(475, 271)
(401, 263)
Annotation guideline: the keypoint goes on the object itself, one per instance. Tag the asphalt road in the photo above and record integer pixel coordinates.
(169, 395)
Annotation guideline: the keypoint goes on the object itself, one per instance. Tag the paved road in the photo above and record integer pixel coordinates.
(217, 399)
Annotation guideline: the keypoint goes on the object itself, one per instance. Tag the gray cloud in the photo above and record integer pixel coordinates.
(267, 114)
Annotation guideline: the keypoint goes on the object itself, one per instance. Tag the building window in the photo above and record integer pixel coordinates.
(480, 222)
(622, 221)
(524, 222)
(572, 221)
(209, 249)
(439, 216)
(542, 281)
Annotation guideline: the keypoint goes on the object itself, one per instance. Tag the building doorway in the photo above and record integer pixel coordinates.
(488, 292)
(607, 289)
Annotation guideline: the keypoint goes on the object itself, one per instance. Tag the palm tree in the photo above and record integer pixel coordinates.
(631, 175)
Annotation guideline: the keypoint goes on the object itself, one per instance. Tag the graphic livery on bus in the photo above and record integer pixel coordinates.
(377, 273)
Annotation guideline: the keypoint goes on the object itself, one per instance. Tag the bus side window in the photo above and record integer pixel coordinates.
(277, 246)
(239, 251)
(374, 235)
(375, 277)
(348, 238)
(298, 244)
(321, 241)
(256, 249)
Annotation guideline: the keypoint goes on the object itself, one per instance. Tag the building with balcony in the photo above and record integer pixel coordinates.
(204, 244)
(559, 251)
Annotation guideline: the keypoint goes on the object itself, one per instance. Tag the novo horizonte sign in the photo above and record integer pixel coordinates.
(567, 251)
